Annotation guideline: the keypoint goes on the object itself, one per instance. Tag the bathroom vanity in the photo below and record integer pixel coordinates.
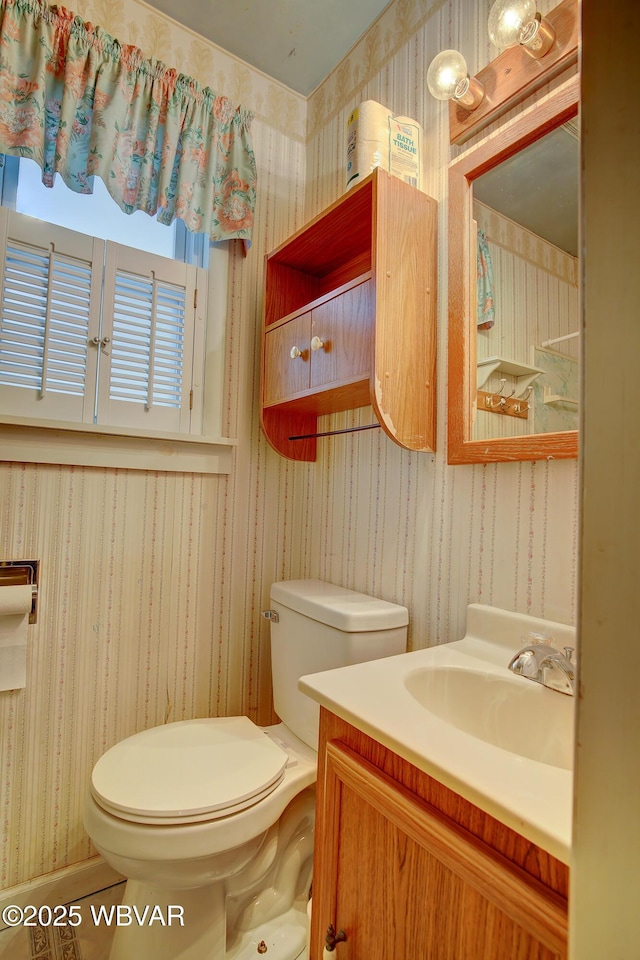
(410, 869)
(432, 842)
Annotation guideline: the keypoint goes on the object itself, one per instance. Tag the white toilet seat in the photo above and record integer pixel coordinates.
(189, 771)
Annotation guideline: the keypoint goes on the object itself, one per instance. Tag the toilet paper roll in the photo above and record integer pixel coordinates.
(15, 599)
(15, 606)
(377, 138)
(367, 140)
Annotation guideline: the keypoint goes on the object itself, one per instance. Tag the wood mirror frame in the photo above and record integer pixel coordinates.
(534, 122)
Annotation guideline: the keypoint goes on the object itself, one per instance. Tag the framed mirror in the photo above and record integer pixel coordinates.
(513, 288)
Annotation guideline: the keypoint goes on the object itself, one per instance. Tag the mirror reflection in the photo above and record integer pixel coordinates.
(527, 345)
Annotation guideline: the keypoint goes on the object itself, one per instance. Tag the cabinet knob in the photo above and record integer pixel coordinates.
(295, 352)
(317, 343)
(332, 938)
(102, 343)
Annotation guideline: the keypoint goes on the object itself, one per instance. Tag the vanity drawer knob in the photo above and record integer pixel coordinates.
(296, 352)
(317, 343)
(332, 938)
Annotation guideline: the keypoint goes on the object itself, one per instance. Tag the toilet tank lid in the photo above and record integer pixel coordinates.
(339, 607)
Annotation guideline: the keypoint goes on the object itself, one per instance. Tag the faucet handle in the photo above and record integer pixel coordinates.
(537, 637)
(524, 663)
(568, 652)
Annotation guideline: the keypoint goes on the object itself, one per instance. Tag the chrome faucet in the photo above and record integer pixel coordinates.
(540, 661)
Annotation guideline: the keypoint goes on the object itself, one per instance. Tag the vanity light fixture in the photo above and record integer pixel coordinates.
(448, 79)
(536, 49)
(513, 22)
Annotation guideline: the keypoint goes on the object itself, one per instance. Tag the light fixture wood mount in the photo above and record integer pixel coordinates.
(514, 75)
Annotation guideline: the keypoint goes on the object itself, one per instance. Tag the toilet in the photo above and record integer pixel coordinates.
(211, 820)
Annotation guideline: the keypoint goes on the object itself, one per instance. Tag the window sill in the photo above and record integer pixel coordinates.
(91, 445)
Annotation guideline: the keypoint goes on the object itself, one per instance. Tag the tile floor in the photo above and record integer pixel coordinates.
(87, 941)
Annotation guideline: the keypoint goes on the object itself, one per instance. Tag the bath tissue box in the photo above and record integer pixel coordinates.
(15, 606)
(375, 138)
(405, 150)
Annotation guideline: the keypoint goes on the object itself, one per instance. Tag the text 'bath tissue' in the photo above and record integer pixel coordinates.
(377, 138)
(15, 606)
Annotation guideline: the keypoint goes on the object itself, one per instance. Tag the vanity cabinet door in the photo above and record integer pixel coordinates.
(286, 375)
(344, 328)
(403, 881)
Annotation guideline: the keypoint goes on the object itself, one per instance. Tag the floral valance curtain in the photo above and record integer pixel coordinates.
(80, 103)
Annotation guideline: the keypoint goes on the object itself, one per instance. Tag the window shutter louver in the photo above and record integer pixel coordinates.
(22, 323)
(147, 373)
(48, 313)
(148, 341)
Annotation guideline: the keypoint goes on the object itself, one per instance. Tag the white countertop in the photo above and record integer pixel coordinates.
(533, 798)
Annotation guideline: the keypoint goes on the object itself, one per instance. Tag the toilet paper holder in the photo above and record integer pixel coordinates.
(18, 572)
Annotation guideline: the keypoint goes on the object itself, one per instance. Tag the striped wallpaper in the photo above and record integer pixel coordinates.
(152, 583)
(408, 526)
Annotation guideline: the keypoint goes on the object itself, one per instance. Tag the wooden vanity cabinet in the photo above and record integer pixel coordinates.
(350, 318)
(409, 869)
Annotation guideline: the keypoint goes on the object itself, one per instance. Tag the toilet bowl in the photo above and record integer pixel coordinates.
(211, 820)
(175, 854)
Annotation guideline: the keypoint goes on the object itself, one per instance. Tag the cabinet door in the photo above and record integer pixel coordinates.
(345, 325)
(284, 375)
(403, 882)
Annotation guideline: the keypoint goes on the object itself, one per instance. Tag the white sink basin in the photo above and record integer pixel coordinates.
(507, 711)
(456, 712)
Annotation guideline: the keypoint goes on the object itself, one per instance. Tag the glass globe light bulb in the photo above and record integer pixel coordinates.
(507, 20)
(445, 73)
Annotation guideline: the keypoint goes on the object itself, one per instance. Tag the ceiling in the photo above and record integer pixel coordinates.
(297, 42)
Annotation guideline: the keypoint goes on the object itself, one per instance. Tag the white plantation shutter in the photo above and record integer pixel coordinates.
(95, 332)
(149, 317)
(49, 312)
(148, 341)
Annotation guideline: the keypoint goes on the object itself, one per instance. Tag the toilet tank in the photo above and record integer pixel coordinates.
(320, 626)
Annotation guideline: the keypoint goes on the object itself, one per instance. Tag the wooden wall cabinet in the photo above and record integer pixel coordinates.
(409, 869)
(350, 318)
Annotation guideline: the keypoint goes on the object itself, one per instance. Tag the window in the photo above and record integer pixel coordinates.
(93, 214)
(96, 332)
